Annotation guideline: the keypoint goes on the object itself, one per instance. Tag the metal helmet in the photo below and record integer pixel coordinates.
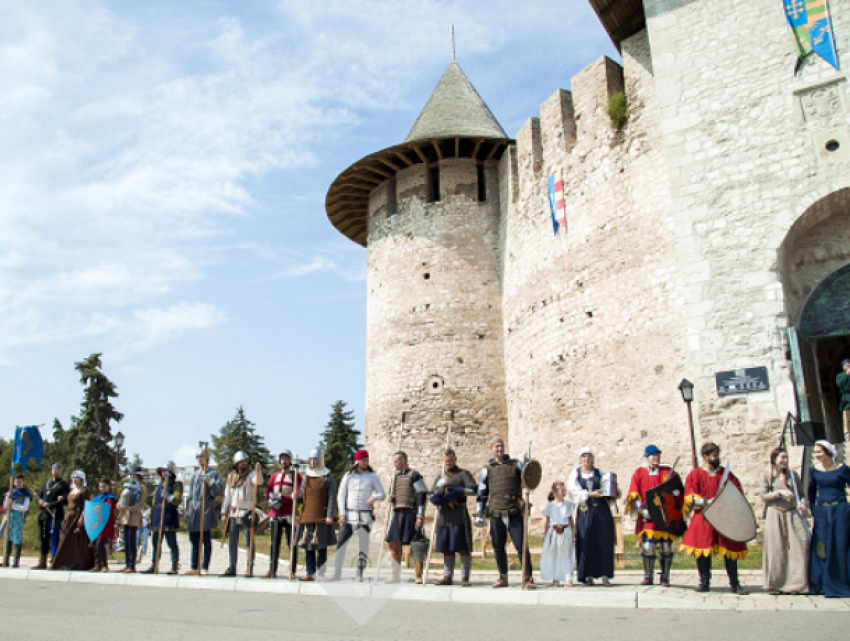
(441, 484)
(239, 456)
(316, 452)
(284, 453)
(202, 453)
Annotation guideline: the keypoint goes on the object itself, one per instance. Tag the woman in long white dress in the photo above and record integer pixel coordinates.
(558, 558)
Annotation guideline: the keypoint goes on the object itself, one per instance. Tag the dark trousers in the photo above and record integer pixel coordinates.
(278, 527)
(170, 538)
(499, 538)
(193, 539)
(345, 533)
(17, 547)
(704, 569)
(130, 546)
(241, 524)
(49, 530)
(316, 561)
(101, 553)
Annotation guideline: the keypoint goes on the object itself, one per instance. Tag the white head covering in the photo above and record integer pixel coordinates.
(80, 475)
(829, 447)
(586, 450)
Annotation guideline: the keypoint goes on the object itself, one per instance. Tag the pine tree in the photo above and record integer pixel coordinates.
(89, 439)
(238, 434)
(136, 462)
(339, 440)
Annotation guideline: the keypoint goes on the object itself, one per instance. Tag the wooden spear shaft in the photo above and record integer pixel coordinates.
(389, 503)
(253, 522)
(439, 509)
(161, 522)
(203, 509)
(293, 522)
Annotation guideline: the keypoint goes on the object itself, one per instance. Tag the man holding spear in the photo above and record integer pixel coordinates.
(166, 519)
(205, 486)
(240, 497)
(408, 492)
(454, 531)
(279, 496)
(499, 494)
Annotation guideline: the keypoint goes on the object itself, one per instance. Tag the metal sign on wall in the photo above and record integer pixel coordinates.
(742, 381)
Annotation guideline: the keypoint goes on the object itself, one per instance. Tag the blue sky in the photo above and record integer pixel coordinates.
(163, 169)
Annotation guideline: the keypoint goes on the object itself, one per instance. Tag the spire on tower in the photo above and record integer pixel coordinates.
(453, 42)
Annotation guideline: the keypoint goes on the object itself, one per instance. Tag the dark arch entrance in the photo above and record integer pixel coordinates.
(823, 341)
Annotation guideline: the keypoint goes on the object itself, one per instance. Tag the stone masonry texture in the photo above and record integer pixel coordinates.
(694, 237)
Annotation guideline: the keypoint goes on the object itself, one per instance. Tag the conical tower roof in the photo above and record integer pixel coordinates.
(455, 123)
(455, 109)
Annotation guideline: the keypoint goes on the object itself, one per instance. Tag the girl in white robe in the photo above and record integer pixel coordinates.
(558, 558)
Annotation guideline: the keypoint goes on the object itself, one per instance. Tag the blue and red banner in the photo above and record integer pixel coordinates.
(811, 25)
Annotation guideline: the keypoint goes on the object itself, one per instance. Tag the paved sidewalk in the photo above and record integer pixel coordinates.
(624, 594)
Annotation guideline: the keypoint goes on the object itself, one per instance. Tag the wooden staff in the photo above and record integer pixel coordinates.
(161, 523)
(390, 503)
(525, 536)
(253, 522)
(439, 508)
(203, 505)
(293, 532)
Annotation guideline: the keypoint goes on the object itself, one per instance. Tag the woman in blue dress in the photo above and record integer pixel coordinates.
(589, 490)
(829, 572)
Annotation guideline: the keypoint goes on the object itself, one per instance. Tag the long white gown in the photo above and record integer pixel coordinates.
(558, 558)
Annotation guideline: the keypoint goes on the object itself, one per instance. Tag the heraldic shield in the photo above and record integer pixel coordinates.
(95, 516)
(664, 503)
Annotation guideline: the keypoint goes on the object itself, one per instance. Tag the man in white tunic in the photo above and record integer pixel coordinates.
(236, 509)
(358, 491)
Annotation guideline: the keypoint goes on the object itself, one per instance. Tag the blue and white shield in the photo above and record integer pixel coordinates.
(95, 517)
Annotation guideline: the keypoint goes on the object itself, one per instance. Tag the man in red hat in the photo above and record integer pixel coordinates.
(358, 491)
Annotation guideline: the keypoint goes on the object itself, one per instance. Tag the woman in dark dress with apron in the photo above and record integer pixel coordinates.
(74, 552)
(829, 568)
(595, 537)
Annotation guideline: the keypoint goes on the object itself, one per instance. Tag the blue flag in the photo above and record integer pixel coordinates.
(28, 444)
(552, 203)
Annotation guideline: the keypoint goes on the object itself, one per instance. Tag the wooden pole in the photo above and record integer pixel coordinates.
(253, 522)
(161, 522)
(389, 503)
(693, 438)
(224, 534)
(437, 515)
(293, 531)
(203, 508)
(7, 508)
(525, 536)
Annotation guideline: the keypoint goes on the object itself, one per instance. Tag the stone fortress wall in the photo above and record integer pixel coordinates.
(693, 239)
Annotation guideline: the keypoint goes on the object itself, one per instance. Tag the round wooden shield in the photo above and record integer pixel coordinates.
(532, 474)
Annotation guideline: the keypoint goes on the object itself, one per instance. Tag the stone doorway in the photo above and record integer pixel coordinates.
(818, 346)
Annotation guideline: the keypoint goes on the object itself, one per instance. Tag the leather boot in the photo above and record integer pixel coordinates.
(228, 572)
(418, 569)
(446, 580)
(648, 569)
(149, 570)
(502, 582)
(42, 563)
(175, 569)
(666, 565)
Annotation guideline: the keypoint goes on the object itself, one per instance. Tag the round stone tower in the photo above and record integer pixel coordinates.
(427, 210)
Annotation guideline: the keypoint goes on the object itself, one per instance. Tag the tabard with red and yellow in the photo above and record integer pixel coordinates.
(642, 480)
(701, 539)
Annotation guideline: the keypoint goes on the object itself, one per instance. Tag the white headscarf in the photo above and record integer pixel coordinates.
(586, 450)
(829, 447)
(80, 475)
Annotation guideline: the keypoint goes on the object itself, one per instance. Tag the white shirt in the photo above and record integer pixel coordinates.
(559, 514)
(579, 496)
(354, 491)
(238, 500)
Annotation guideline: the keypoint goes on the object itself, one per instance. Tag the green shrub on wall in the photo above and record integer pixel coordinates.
(618, 110)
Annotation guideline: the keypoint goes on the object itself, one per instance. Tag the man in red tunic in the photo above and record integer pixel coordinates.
(701, 540)
(279, 495)
(649, 534)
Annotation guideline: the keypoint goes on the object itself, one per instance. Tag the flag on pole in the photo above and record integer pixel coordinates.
(811, 26)
(552, 202)
(560, 212)
(28, 444)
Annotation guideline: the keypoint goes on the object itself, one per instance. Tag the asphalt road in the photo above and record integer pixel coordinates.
(39, 611)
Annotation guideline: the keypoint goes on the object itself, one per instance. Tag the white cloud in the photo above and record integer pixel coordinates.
(184, 455)
(132, 144)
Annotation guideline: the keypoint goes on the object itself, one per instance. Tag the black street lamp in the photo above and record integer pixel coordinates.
(687, 390)
(119, 443)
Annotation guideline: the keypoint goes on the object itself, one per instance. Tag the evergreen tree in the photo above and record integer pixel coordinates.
(137, 461)
(339, 440)
(239, 435)
(58, 451)
(89, 439)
